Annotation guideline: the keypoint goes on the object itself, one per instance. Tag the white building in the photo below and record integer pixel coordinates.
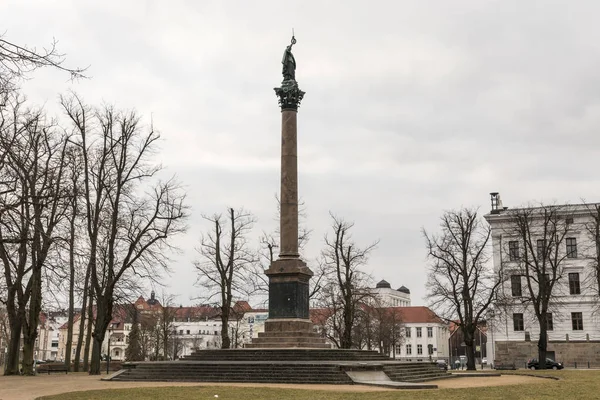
(425, 335)
(573, 326)
(390, 297)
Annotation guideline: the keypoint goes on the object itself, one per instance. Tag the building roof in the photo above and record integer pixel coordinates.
(383, 284)
(417, 315)
(403, 289)
(319, 316)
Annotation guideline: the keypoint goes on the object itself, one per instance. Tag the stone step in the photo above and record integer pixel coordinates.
(293, 333)
(290, 339)
(272, 354)
(286, 345)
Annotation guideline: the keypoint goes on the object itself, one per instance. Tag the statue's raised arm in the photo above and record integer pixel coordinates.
(289, 62)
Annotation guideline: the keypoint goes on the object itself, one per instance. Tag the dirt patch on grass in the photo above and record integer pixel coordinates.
(31, 387)
(470, 382)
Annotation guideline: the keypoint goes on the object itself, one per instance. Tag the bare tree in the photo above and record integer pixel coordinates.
(33, 205)
(345, 285)
(17, 61)
(148, 336)
(166, 325)
(225, 262)
(460, 284)
(72, 216)
(129, 231)
(540, 234)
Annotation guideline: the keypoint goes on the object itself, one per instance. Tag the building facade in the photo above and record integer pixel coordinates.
(425, 335)
(389, 297)
(572, 318)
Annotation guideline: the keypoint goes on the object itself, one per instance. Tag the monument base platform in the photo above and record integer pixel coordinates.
(311, 366)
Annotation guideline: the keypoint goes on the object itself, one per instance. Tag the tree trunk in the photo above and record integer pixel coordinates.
(470, 349)
(225, 341)
(30, 331)
(14, 349)
(542, 342)
(69, 344)
(96, 350)
(28, 355)
(88, 335)
(82, 319)
(346, 339)
(103, 318)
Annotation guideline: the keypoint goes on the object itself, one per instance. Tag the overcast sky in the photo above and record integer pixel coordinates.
(411, 107)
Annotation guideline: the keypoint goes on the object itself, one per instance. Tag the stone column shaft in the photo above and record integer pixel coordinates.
(288, 221)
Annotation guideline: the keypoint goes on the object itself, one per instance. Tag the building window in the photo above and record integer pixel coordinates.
(549, 322)
(408, 349)
(571, 247)
(117, 353)
(515, 285)
(518, 323)
(541, 248)
(398, 349)
(419, 334)
(513, 250)
(574, 286)
(577, 321)
(408, 332)
(188, 331)
(181, 331)
(429, 332)
(419, 349)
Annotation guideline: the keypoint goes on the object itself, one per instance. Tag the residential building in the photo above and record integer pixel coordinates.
(573, 326)
(425, 335)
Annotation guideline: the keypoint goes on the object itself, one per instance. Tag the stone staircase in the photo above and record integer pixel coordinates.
(263, 365)
(414, 372)
(261, 372)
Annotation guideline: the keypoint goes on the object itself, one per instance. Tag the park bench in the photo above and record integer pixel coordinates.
(56, 368)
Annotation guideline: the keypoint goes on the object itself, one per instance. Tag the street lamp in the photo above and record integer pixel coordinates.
(108, 355)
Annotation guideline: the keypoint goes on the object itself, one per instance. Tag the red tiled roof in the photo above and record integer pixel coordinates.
(242, 306)
(417, 315)
(319, 316)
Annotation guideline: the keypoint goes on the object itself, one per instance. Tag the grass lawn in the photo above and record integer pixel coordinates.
(573, 385)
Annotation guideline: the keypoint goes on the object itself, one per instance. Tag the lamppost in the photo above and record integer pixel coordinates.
(491, 315)
(108, 355)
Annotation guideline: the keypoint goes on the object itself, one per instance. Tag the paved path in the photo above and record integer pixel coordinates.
(31, 387)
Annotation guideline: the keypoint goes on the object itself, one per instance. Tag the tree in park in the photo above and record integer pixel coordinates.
(461, 285)
(225, 264)
(33, 204)
(345, 285)
(134, 351)
(131, 216)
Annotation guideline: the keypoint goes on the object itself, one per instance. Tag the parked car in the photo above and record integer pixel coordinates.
(442, 364)
(533, 363)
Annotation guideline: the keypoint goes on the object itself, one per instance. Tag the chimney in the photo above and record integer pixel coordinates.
(496, 203)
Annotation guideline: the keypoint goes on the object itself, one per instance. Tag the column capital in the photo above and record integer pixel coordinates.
(289, 95)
